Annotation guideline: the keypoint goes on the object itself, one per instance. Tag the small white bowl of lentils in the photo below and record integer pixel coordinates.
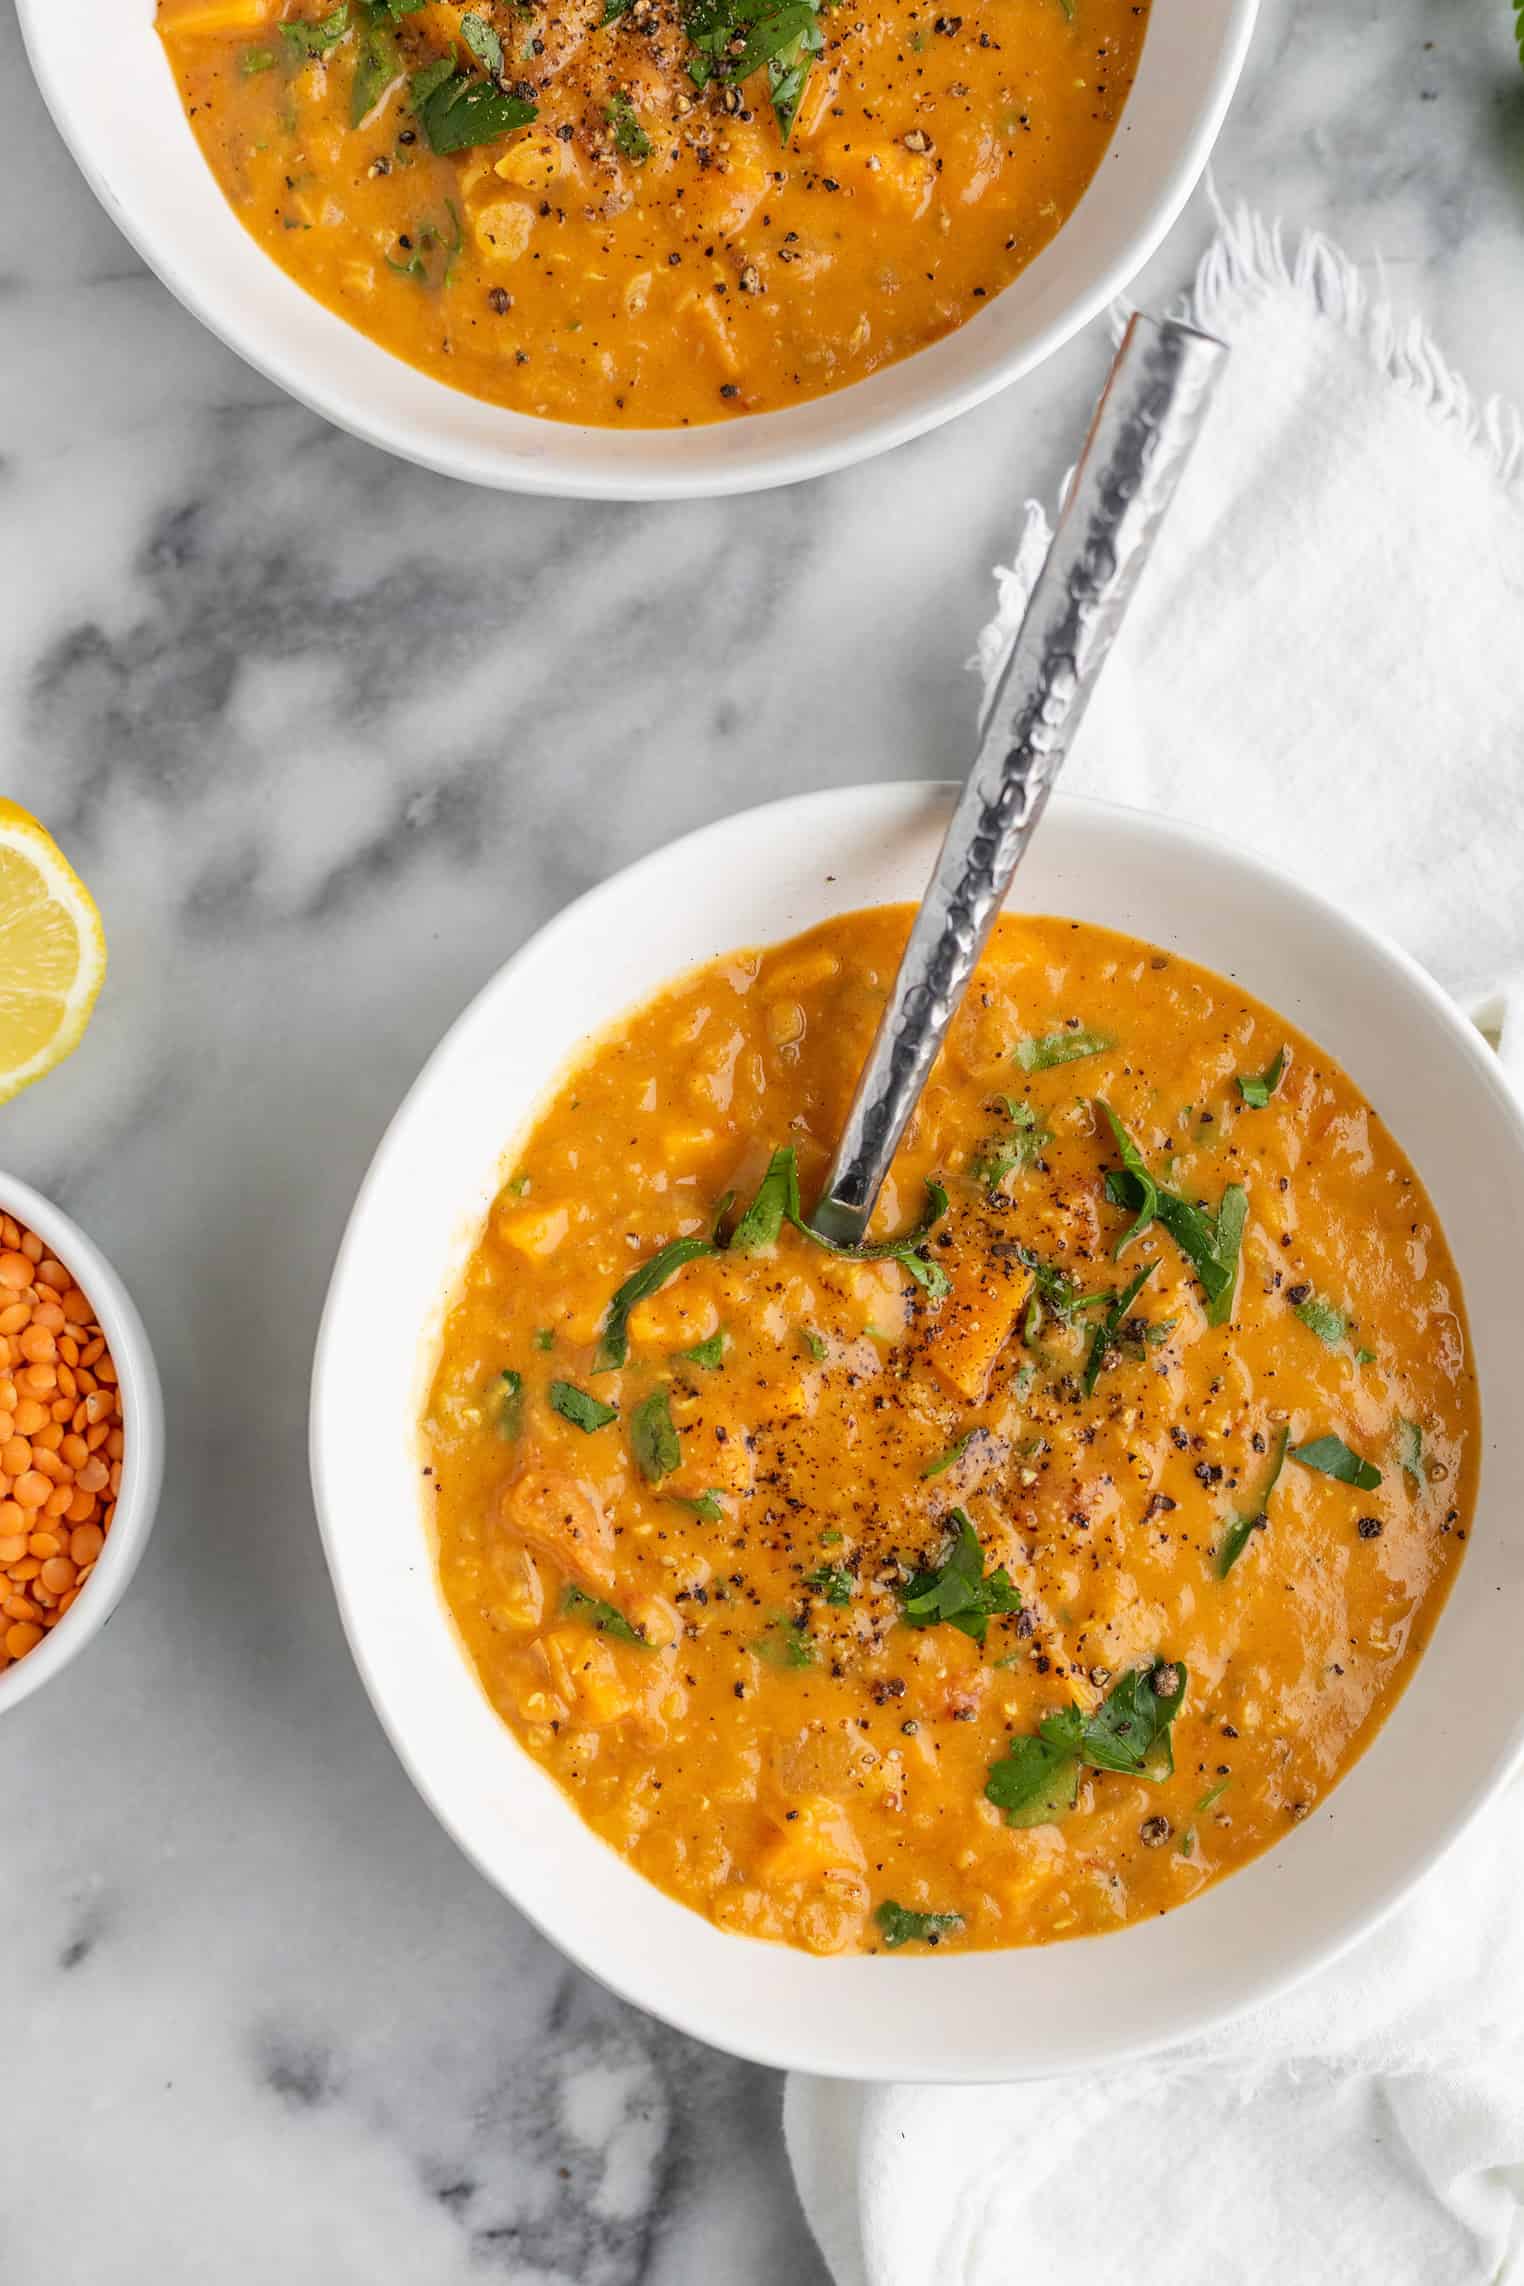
(81, 1440)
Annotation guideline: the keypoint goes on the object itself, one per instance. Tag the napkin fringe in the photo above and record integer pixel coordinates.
(1248, 257)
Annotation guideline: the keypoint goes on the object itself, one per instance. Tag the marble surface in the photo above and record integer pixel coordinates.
(329, 737)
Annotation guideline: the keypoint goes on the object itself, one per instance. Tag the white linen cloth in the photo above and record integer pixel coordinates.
(1325, 662)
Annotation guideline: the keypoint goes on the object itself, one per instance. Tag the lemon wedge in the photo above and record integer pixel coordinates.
(52, 952)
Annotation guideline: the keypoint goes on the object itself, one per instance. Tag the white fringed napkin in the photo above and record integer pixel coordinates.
(1325, 662)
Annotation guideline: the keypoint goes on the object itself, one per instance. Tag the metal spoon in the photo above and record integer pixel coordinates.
(1140, 439)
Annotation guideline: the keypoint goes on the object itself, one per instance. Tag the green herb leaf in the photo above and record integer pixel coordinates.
(1056, 1289)
(510, 1407)
(1331, 1456)
(544, 1337)
(1257, 1092)
(1070, 1046)
(834, 1582)
(1006, 1155)
(710, 1354)
(575, 1405)
(1232, 1219)
(303, 39)
(456, 112)
(785, 1644)
(734, 38)
(429, 237)
(1410, 1450)
(956, 1589)
(814, 1343)
(1236, 1538)
(1211, 1246)
(706, 1505)
(653, 1439)
(630, 139)
(483, 42)
(378, 64)
(1103, 1335)
(777, 1202)
(1129, 1732)
(899, 1926)
(1320, 1317)
(613, 10)
(1034, 1783)
(1147, 1188)
(788, 72)
(613, 1338)
(606, 1617)
(256, 60)
(954, 1452)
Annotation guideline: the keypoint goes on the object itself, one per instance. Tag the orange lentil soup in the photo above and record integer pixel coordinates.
(1012, 1584)
(656, 212)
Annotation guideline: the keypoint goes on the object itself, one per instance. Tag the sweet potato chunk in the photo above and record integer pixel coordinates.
(978, 1318)
(563, 1517)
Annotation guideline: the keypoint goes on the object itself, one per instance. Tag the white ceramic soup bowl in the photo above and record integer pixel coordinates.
(143, 1440)
(754, 879)
(107, 83)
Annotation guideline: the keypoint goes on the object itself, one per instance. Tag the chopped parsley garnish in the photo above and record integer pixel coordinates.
(814, 1343)
(1104, 1334)
(1331, 1456)
(777, 1202)
(899, 1926)
(614, 1337)
(510, 1404)
(1257, 1092)
(544, 1337)
(1236, 1538)
(1147, 1188)
(1210, 1243)
(653, 1439)
(710, 1354)
(1006, 1155)
(1038, 1778)
(255, 60)
(785, 1644)
(1410, 1450)
(427, 238)
(606, 1617)
(957, 1590)
(575, 1405)
(1071, 1046)
(834, 1582)
(734, 38)
(303, 39)
(707, 1505)
(1056, 1291)
(954, 1452)
(457, 111)
(483, 42)
(1320, 1317)
(630, 139)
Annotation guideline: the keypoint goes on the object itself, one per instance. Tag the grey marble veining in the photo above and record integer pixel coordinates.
(330, 737)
